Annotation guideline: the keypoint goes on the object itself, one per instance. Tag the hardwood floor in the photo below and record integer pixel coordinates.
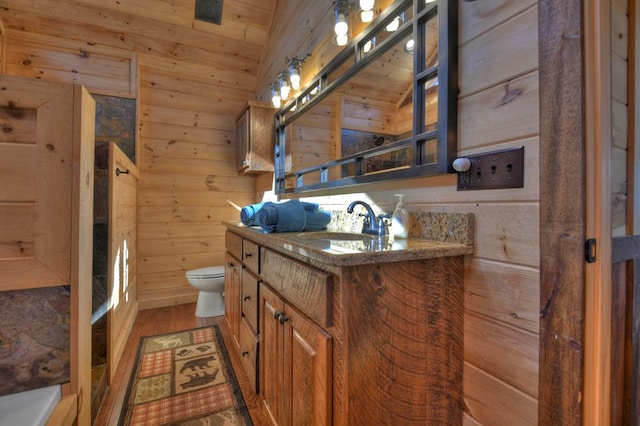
(167, 320)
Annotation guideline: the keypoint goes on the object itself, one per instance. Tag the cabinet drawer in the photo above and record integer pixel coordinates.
(251, 256)
(249, 353)
(308, 289)
(233, 244)
(250, 298)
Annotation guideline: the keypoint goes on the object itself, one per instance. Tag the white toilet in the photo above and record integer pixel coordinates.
(210, 282)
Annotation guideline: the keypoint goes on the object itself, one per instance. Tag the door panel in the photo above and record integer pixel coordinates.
(121, 273)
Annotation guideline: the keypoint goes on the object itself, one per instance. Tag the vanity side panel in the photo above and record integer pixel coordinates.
(404, 342)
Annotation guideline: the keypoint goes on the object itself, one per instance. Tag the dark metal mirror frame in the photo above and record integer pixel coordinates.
(446, 70)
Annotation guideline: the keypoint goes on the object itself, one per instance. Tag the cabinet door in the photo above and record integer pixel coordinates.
(296, 364)
(307, 371)
(232, 296)
(270, 309)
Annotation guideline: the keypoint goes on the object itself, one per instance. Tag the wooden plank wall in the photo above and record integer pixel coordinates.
(498, 57)
(193, 79)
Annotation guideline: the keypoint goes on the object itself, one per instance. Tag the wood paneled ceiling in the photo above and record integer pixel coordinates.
(165, 28)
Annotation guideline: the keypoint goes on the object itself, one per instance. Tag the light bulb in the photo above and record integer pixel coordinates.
(341, 28)
(295, 81)
(366, 16)
(284, 90)
(366, 4)
(276, 101)
(393, 25)
(342, 40)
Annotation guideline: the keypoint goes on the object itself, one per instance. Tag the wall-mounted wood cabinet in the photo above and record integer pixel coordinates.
(255, 139)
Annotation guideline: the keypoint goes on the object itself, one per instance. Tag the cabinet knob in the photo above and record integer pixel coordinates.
(246, 298)
(231, 265)
(245, 353)
(277, 315)
(283, 319)
(247, 255)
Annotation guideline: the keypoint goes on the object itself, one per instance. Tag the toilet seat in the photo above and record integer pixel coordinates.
(206, 273)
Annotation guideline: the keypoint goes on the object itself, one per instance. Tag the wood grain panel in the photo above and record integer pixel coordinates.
(411, 322)
(489, 401)
(497, 56)
(312, 292)
(501, 113)
(19, 164)
(480, 17)
(502, 351)
(17, 237)
(507, 293)
(18, 126)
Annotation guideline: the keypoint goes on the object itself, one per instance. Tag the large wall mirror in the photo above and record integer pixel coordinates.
(383, 109)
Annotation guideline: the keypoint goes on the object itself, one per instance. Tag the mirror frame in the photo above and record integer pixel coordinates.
(446, 70)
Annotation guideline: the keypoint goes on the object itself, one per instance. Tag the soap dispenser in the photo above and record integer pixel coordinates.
(400, 219)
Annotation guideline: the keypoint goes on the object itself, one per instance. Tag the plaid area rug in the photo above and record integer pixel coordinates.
(184, 378)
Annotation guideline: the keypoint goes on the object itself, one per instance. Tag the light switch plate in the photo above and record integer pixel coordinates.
(494, 170)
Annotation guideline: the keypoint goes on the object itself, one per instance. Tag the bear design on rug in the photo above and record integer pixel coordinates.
(200, 363)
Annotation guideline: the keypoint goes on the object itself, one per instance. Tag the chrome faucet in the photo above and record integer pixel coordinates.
(371, 224)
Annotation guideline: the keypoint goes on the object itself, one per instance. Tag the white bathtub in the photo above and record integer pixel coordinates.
(29, 408)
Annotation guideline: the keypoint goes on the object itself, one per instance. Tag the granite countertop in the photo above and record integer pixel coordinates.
(336, 249)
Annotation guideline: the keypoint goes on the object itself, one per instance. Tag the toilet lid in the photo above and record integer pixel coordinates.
(208, 272)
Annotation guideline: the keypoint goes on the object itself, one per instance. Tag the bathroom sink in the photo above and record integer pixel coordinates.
(340, 236)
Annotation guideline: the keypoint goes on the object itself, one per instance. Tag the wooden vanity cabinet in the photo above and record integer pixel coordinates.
(356, 344)
(255, 139)
(296, 364)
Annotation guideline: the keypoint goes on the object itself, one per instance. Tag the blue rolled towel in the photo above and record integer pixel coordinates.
(249, 214)
(292, 216)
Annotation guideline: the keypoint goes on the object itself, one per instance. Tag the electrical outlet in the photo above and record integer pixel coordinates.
(494, 170)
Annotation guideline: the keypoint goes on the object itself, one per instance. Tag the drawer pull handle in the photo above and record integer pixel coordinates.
(246, 298)
(248, 255)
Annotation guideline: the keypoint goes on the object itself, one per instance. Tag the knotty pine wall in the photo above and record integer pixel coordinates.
(190, 78)
(498, 108)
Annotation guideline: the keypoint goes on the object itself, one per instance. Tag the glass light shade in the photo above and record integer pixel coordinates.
(295, 81)
(341, 27)
(276, 100)
(284, 91)
(366, 16)
(341, 40)
(367, 4)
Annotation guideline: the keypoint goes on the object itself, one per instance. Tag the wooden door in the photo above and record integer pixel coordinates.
(307, 371)
(121, 272)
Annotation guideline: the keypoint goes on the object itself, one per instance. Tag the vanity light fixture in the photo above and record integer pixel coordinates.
(341, 28)
(368, 11)
(276, 100)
